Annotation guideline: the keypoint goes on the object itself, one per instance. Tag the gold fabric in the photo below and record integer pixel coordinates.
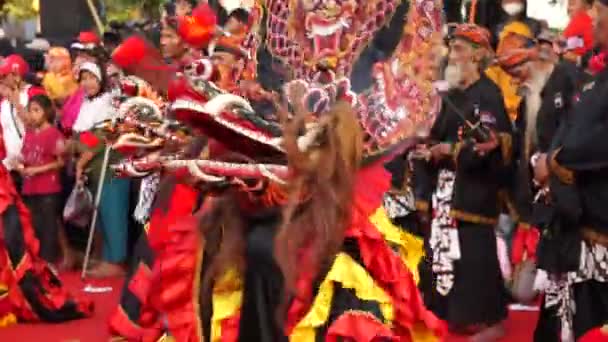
(227, 299)
(410, 247)
(350, 275)
(228, 289)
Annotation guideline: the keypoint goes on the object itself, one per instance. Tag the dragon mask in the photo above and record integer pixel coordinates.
(296, 60)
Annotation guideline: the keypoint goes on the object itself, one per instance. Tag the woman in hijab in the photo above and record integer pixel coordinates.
(86, 49)
(114, 206)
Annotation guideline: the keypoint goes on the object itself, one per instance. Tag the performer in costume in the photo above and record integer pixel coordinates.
(163, 199)
(574, 170)
(520, 190)
(172, 45)
(548, 97)
(469, 164)
(321, 183)
(137, 316)
(32, 291)
(549, 90)
(513, 36)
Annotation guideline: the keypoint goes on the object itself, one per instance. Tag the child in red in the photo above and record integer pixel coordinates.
(42, 161)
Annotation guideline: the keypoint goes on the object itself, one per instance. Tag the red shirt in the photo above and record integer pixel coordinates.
(41, 147)
(581, 26)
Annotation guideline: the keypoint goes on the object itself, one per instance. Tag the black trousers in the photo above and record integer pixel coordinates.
(45, 211)
(478, 295)
(263, 289)
(17, 180)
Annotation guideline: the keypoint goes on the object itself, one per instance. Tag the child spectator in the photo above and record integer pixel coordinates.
(41, 161)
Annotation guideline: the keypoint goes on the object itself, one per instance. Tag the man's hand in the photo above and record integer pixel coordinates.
(541, 169)
(488, 146)
(441, 151)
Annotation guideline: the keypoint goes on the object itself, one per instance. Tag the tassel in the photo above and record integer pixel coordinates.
(139, 58)
(198, 29)
(130, 52)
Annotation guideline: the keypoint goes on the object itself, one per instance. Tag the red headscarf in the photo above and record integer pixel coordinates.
(516, 57)
(473, 33)
(515, 50)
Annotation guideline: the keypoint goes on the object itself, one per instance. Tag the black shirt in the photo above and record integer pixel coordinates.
(478, 178)
(581, 147)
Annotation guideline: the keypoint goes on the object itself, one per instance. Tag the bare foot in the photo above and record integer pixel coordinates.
(106, 270)
(489, 334)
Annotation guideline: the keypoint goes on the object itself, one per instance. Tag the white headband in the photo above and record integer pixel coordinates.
(92, 68)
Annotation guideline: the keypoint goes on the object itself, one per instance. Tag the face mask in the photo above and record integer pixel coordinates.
(513, 8)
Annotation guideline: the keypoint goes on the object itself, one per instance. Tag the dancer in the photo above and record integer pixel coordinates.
(310, 178)
(550, 91)
(164, 197)
(35, 293)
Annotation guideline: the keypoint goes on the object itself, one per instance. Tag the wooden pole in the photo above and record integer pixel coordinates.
(95, 15)
(92, 227)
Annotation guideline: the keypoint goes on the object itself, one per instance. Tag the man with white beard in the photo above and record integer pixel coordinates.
(548, 91)
(469, 165)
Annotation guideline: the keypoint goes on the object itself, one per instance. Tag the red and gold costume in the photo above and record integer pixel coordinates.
(292, 242)
(29, 290)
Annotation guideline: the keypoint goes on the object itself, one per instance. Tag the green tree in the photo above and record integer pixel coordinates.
(127, 9)
(20, 9)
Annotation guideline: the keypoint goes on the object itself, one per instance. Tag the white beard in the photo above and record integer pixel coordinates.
(453, 75)
(533, 102)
